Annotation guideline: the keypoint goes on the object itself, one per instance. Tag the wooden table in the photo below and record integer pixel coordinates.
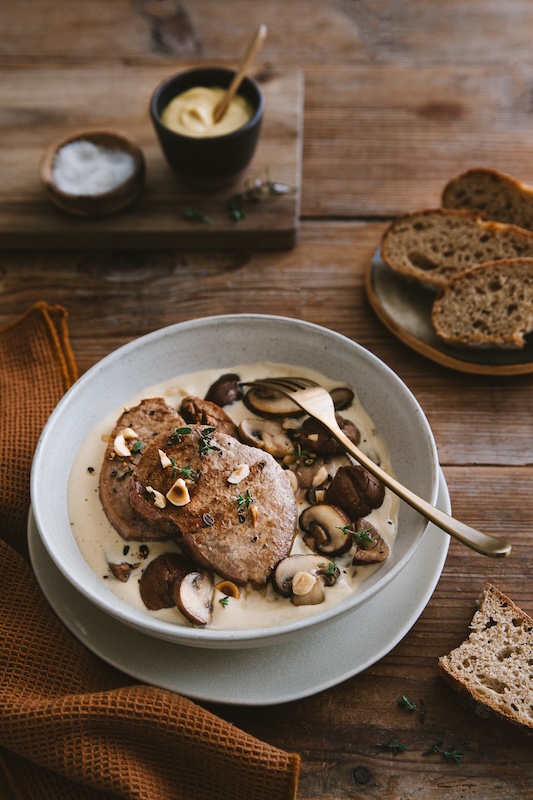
(399, 96)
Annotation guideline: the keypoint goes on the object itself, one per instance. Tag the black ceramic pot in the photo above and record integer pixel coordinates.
(214, 161)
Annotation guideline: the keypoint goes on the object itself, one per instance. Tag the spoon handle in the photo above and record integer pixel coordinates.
(257, 42)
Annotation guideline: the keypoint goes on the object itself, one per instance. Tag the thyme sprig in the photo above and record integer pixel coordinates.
(197, 215)
(187, 471)
(245, 501)
(394, 747)
(206, 436)
(254, 192)
(178, 433)
(448, 753)
(410, 705)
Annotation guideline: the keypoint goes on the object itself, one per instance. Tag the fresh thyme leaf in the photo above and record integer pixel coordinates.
(448, 754)
(205, 440)
(125, 475)
(178, 433)
(410, 705)
(197, 215)
(245, 501)
(363, 536)
(393, 746)
(224, 601)
(329, 568)
(188, 472)
(137, 447)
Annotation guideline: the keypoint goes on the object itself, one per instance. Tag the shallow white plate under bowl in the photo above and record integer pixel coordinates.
(261, 676)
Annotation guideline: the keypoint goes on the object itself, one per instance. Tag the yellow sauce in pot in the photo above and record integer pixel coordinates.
(191, 113)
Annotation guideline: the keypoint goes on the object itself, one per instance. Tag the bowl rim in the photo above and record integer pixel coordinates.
(203, 70)
(206, 637)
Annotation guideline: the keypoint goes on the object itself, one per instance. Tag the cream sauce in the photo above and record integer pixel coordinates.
(191, 113)
(100, 544)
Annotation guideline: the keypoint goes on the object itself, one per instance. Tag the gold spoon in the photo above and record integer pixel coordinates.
(223, 104)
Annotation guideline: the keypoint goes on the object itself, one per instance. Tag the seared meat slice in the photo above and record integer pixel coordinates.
(238, 516)
(203, 412)
(146, 420)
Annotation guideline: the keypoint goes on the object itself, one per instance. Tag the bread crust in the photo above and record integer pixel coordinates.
(484, 666)
(495, 194)
(431, 246)
(490, 305)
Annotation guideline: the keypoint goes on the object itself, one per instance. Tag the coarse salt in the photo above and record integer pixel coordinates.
(85, 168)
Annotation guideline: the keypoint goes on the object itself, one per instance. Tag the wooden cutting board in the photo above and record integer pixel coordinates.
(38, 106)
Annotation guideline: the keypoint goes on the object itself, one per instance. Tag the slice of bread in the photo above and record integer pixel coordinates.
(498, 196)
(490, 305)
(433, 245)
(494, 666)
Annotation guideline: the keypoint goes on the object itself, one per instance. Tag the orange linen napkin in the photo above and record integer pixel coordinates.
(71, 726)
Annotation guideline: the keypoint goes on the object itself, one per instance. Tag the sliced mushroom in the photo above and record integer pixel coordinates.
(370, 545)
(268, 403)
(326, 529)
(225, 390)
(157, 581)
(268, 435)
(193, 594)
(355, 490)
(315, 437)
(325, 573)
(342, 397)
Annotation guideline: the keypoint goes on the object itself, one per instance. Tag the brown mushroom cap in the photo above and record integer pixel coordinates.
(370, 545)
(225, 390)
(325, 529)
(315, 437)
(157, 581)
(355, 490)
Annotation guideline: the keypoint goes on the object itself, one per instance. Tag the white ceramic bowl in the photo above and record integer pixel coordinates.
(221, 342)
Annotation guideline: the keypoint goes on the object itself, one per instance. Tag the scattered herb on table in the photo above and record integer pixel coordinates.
(255, 192)
(449, 754)
(196, 215)
(410, 705)
(394, 747)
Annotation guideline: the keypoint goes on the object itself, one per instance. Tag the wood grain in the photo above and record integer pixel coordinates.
(118, 98)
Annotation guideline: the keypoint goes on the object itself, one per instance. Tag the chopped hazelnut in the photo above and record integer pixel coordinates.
(239, 473)
(178, 494)
(160, 500)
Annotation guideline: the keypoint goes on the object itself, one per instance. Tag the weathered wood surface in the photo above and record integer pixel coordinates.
(55, 103)
(398, 96)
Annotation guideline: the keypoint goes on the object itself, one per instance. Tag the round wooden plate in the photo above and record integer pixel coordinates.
(405, 309)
